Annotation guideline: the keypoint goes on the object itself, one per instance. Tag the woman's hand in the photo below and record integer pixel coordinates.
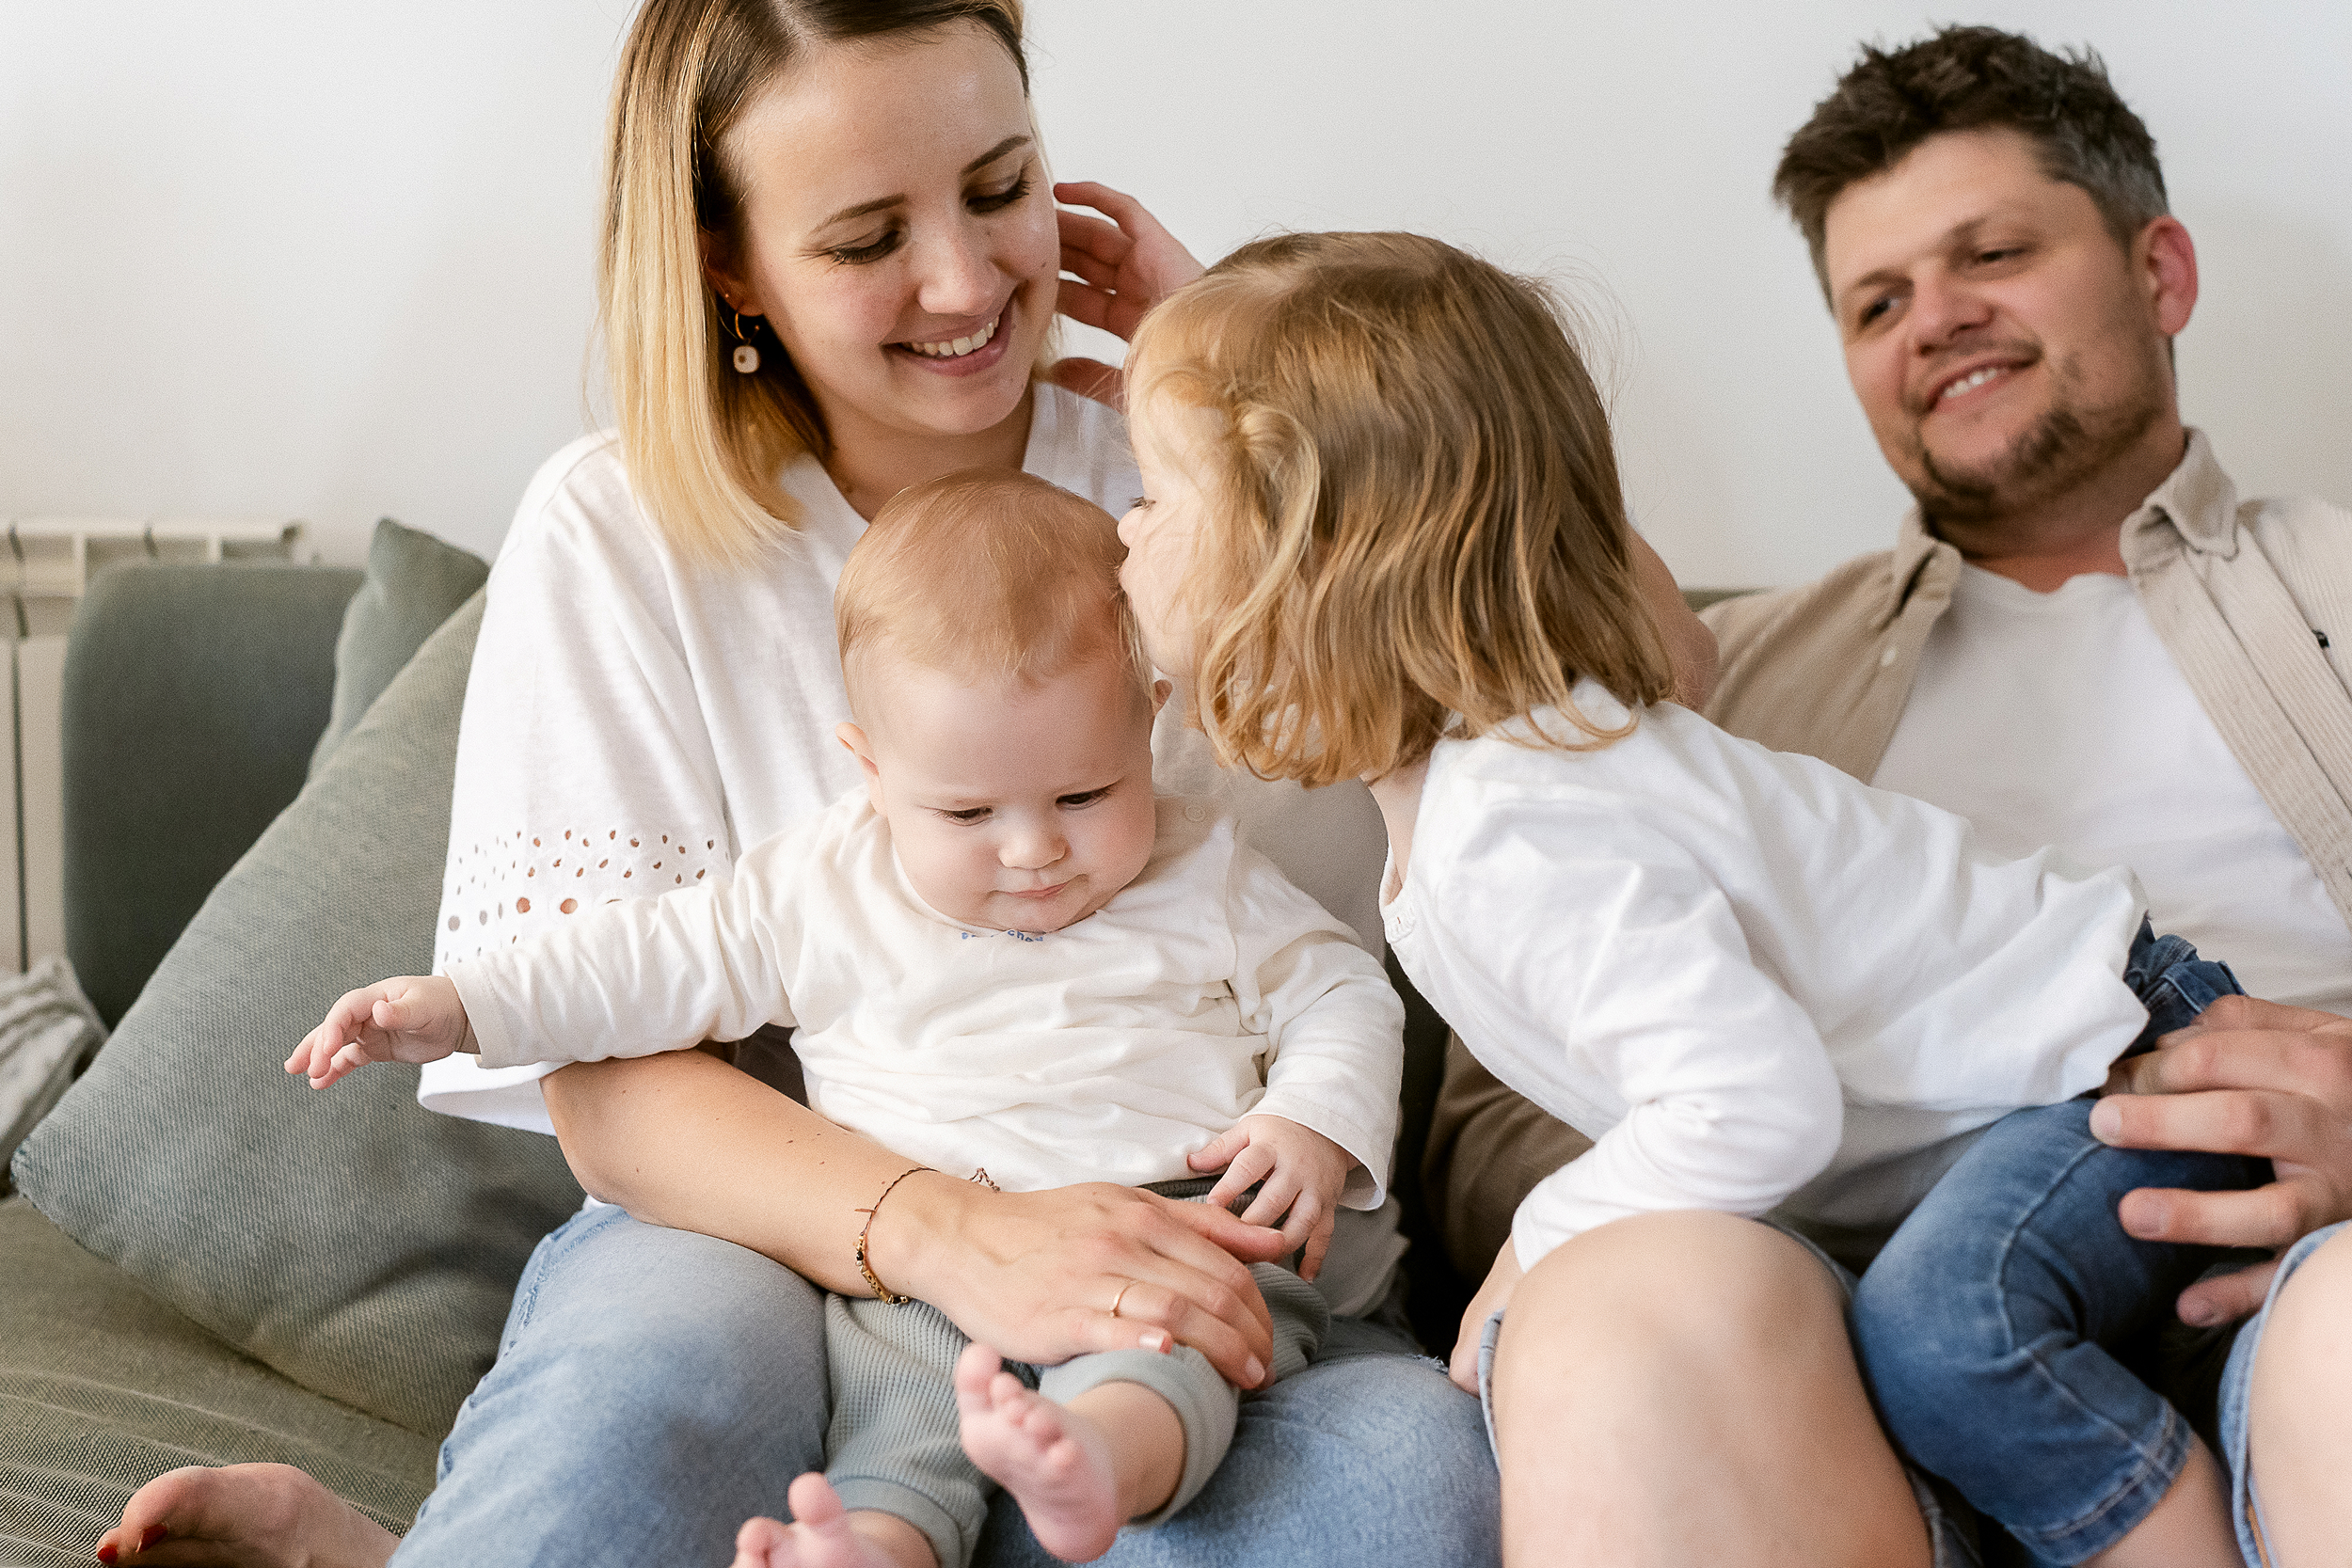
(2248, 1077)
(1122, 269)
(1491, 1298)
(1045, 1277)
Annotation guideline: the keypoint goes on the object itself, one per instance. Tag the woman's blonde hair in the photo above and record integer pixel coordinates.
(705, 446)
(1412, 525)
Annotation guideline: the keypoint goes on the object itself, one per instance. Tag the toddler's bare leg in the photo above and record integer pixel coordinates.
(823, 1534)
(1079, 1472)
(1678, 1389)
(2188, 1528)
(2299, 1436)
(266, 1516)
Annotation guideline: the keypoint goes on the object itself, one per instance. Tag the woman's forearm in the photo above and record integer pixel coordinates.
(684, 1140)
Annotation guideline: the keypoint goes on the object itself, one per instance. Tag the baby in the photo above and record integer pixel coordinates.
(1003, 957)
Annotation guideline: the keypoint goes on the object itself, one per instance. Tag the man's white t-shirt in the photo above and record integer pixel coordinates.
(2060, 719)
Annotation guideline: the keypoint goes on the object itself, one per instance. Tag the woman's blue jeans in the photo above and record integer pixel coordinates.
(1987, 1327)
(654, 1388)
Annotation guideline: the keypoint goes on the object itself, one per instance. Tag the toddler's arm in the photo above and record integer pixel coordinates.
(1303, 1173)
(413, 1017)
(1333, 1025)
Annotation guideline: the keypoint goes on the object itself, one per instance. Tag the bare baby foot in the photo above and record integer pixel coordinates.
(268, 1515)
(1056, 1462)
(823, 1534)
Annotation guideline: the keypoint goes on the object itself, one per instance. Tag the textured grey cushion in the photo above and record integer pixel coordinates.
(356, 1242)
(414, 583)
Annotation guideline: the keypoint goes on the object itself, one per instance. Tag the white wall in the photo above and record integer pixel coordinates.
(334, 261)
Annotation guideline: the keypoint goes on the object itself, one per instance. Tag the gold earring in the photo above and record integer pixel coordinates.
(746, 357)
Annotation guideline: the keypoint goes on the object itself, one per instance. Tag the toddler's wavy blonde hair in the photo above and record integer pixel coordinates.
(1414, 523)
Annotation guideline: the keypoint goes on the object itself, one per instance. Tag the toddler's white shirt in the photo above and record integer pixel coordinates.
(1207, 989)
(1751, 979)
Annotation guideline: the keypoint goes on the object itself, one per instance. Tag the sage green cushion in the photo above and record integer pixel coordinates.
(194, 696)
(414, 583)
(361, 1245)
(102, 1387)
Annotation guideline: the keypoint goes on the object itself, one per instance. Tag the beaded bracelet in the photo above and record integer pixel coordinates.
(884, 1293)
(881, 1291)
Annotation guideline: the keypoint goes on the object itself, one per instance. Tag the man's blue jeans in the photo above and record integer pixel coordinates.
(655, 1388)
(1988, 1327)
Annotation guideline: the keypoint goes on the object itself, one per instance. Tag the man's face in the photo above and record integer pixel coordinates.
(2004, 346)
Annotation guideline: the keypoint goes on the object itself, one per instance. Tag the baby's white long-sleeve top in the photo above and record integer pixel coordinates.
(1209, 989)
(1752, 980)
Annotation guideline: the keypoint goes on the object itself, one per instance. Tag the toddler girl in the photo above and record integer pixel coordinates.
(1383, 534)
(1004, 958)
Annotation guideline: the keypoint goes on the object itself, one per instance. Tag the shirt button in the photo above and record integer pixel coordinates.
(1886, 659)
(1196, 813)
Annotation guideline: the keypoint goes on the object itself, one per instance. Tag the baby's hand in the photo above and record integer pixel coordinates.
(411, 1019)
(1303, 1172)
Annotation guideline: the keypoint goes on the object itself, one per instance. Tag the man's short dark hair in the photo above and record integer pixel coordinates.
(1973, 79)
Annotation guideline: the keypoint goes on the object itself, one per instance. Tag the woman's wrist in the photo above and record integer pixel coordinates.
(927, 1221)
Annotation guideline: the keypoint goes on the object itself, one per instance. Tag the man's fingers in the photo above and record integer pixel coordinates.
(2229, 1297)
(2270, 1216)
(2272, 1125)
(2301, 1061)
(2254, 1013)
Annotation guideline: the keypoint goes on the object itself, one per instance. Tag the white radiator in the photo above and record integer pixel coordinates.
(47, 566)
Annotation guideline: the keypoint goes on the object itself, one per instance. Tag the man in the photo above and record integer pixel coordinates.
(2081, 638)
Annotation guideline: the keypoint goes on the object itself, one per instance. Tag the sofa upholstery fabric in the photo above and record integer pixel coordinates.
(357, 1243)
(173, 673)
(104, 1387)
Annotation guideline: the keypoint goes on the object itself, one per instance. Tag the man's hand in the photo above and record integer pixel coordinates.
(409, 1018)
(1304, 1173)
(2248, 1077)
(1491, 1298)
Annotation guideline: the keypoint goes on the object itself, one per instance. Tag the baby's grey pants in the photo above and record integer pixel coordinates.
(894, 1444)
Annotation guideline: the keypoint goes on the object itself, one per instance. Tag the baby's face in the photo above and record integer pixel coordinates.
(1012, 806)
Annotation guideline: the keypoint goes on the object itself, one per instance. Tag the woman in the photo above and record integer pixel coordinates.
(830, 264)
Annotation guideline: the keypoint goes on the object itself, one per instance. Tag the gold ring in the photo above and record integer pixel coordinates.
(1121, 1296)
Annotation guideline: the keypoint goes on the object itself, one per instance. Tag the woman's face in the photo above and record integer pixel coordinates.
(897, 232)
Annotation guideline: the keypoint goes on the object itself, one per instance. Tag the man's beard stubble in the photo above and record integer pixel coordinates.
(2058, 452)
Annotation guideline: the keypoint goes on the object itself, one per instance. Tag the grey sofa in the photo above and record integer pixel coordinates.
(206, 1264)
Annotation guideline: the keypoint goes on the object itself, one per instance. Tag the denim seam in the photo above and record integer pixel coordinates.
(2166, 1441)
(526, 1301)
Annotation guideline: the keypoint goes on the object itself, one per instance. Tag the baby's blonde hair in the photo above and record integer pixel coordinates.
(1413, 525)
(986, 575)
